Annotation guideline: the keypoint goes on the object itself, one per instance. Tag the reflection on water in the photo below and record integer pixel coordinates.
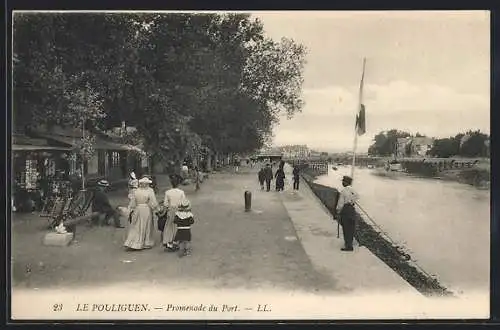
(445, 225)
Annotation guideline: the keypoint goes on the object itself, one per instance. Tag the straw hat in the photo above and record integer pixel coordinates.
(145, 180)
(103, 183)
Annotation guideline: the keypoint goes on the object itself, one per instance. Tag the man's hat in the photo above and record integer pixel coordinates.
(103, 183)
(347, 179)
(185, 206)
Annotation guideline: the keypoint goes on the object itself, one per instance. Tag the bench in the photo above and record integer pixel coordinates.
(78, 210)
(57, 210)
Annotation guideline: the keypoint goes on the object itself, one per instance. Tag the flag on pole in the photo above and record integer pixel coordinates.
(360, 121)
(360, 117)
(360, 126)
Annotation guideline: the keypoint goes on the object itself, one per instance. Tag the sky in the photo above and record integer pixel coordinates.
(426, 72)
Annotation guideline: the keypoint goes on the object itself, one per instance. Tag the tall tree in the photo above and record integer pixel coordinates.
(56, 51)
(444, 148)
(385, 142)
(181, 79)
(474, 146)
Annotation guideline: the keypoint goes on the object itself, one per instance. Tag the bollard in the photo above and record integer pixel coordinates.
(248, 201)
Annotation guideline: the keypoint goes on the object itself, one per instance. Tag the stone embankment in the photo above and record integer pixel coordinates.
(372, 237)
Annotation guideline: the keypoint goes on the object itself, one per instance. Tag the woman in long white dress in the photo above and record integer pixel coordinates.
(142, 205)
(173, 199)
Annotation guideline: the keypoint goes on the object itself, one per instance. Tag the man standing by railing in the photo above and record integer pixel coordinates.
(346, 213)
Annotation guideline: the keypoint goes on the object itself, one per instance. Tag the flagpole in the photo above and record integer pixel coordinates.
(360, 100)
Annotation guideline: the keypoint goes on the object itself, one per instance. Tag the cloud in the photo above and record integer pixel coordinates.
(327, 120)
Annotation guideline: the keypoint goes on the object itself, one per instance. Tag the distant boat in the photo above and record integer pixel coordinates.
(394, 166)
(381, 171)
(391, 169)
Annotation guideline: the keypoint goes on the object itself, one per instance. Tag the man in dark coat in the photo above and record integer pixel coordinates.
(296, 177)
(262, 178)
(101, 204)
(268, 176)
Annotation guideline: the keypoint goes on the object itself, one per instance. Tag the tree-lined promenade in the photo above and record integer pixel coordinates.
(185, 81)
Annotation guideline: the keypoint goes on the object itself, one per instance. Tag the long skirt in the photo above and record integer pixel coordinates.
(170, 229)
(280, 183)
(140, 232)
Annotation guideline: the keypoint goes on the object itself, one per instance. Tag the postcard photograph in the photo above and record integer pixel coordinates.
(305, 165)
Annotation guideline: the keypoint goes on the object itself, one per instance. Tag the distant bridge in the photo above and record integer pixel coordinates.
(442, 164)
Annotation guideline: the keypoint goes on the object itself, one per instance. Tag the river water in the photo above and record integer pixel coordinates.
(444, 225)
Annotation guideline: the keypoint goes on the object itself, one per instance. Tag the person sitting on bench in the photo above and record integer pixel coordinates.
(101, 204)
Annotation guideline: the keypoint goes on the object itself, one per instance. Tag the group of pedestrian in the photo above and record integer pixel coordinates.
(174, 217)
(345, 211)
(195, 173)
(266, 175)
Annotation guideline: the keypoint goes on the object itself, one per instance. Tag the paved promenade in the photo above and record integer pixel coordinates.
(284, 254)
(231, 248)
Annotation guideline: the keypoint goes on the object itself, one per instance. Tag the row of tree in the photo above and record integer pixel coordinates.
(183, 80)
(469, 144)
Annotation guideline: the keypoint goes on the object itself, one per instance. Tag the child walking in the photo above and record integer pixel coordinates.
(184, 219)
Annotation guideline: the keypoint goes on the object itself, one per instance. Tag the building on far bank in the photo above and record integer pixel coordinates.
(401, 147)
(421, 145)
(413, 146)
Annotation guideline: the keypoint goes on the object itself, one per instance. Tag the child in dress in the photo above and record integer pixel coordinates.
(184, 219)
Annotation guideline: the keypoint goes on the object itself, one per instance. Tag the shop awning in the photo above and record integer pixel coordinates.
(25, 140)
(108, 145)
(23, 147)
(134, 148)
(100, 144)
